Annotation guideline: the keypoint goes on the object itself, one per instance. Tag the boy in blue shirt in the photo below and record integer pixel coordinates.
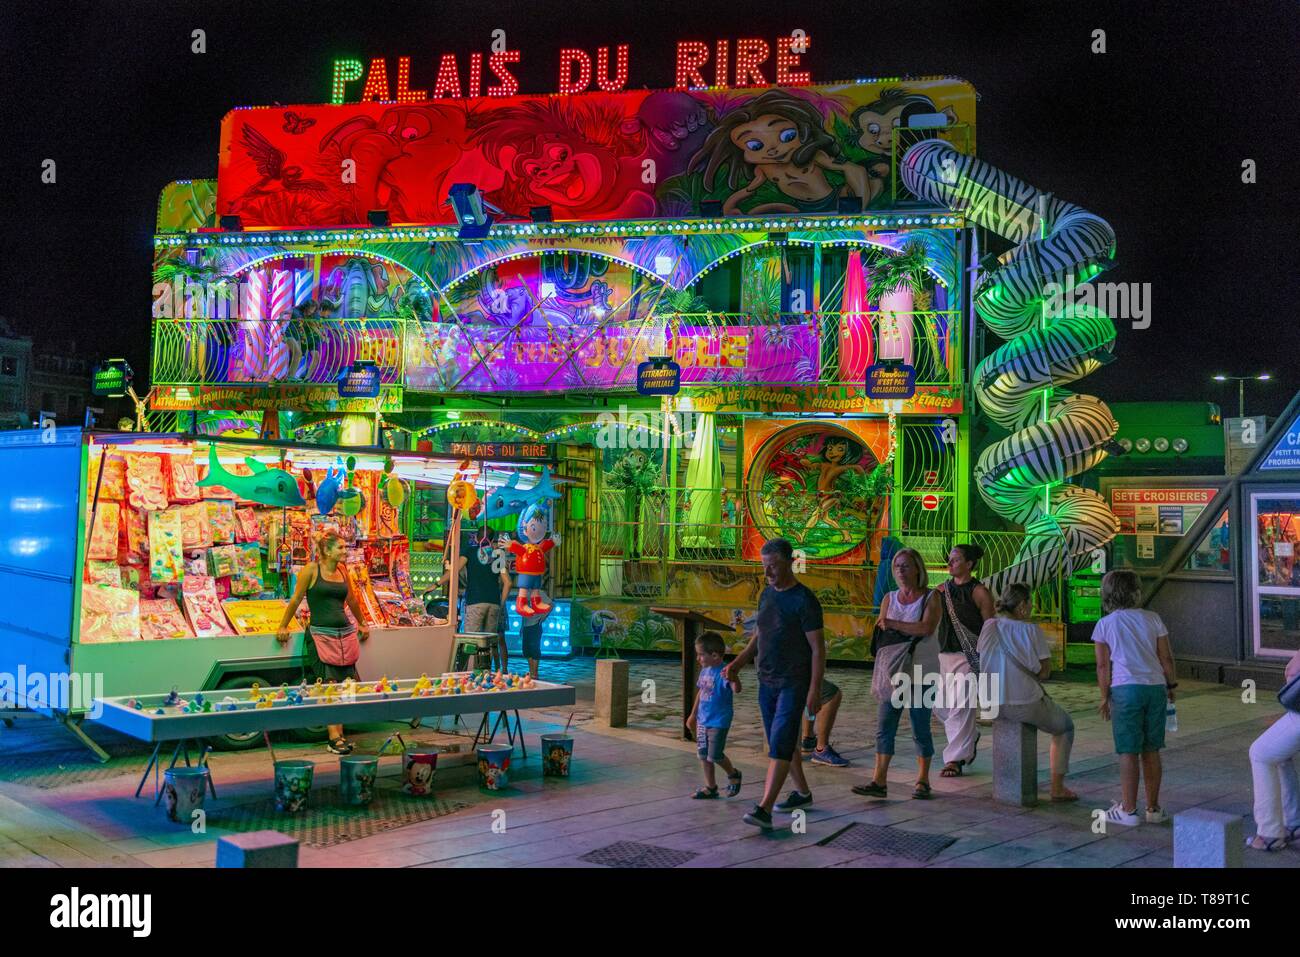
(710, 717)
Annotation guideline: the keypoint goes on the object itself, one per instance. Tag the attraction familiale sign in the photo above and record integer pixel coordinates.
(658, 376)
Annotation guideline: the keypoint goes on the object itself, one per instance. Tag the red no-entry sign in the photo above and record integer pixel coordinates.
(930, 502)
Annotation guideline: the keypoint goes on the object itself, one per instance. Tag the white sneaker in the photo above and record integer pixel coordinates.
(1156, 815)
(1117, 815)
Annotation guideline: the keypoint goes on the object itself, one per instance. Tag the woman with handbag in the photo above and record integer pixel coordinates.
(1014, 652)
(330, 649)
(966, 606)
(1273, 771)
(907, 621)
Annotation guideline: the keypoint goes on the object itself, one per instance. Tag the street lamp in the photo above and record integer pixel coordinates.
(1241, 388)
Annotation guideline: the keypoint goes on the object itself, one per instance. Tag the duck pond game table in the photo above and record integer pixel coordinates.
(180, 718)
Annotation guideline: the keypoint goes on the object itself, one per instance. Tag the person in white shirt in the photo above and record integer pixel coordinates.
(1015, 650)
(1276, 784)
(1135, 671)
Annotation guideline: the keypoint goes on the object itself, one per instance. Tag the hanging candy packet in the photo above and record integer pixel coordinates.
(103, 573)
(104, 533)
(196, 531)
(109, 613)
(202, 608)
(166, 562)
(221, 519)
(183, 476)
(162, 618)
(112, 487)
(146, 486)
(247, 527)
(222, 561)
(247, 579)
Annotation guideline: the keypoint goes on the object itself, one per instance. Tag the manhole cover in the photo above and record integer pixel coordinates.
(632, 854)
(888, 841)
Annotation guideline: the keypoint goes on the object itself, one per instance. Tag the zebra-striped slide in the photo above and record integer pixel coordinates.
(1054, 436)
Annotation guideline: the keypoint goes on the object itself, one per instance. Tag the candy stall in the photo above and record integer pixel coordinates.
(157, 562)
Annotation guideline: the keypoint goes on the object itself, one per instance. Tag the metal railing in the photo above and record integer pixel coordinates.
(661, 549)
(307, 351)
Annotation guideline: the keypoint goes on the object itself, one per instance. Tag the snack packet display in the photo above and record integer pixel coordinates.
(199, 594)
(162, 618)
(260, 617)
(365, 593)
(146, 486)
(196, 531)
(166, 562)
(247, 527)
(104, 534)
(183, 474)
(221, 519)
(399, 565)
(113, 485)
(137, 536)
(103, 573)
(247, 579)
(109, 613)
(222, 561)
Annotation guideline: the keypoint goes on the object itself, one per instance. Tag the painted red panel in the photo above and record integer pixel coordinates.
(594, 156)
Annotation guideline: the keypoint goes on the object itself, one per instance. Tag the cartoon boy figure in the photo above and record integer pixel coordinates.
(530, 560)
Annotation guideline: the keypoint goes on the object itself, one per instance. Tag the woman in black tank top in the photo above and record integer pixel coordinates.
(970, 603)
(325, 586)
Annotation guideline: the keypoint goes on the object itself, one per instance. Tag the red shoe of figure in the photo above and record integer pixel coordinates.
(521, 606)
(539, 606)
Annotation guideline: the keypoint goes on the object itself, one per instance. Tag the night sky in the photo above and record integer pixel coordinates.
(1151, 135)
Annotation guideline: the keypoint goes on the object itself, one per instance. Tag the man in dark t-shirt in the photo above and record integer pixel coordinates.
(485, 593)
(791, 652)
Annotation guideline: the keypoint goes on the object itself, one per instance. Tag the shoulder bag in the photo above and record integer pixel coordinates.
(969, 642)
(1289, 696)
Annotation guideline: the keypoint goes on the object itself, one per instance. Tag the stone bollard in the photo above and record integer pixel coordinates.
(1015, 763)
(1207, 839)
(611, 691)
(257, 849)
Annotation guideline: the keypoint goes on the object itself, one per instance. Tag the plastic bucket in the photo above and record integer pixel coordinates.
(557, 752)
(183, 793)
(418, 765)
(292, 784)
(357, 779)
(494, 766)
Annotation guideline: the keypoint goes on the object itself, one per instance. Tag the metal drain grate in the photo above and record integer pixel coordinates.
(324, 822)
(888, 841)
(632, 854)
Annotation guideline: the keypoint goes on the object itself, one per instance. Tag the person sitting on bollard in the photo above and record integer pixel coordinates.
(1273, 773)
(1014, 652)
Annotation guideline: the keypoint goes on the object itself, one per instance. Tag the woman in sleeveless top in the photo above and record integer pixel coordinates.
(326, 587)
(908, 618)
(973, 605)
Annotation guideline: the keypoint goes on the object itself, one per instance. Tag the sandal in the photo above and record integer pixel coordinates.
(1271, 844)
(733, 784)
(340, 746)
(922, 791)
(705, 794)
(869, 790)
(951, 770)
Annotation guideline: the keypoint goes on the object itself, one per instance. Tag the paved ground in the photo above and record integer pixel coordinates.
(629, 789)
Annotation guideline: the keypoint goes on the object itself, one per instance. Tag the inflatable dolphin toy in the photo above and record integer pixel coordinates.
(265, 486)
(327, 493)
(510, 499)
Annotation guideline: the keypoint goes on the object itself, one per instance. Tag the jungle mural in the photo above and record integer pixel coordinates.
(597, 156)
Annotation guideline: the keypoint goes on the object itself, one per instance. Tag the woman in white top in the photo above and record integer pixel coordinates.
(1015, 650)
(908, 618)
(1135, 671)
(1277, 786)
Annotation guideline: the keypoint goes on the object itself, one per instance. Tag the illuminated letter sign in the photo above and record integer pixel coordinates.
(359, 382)
(659, 376)
(111, 378)
(890, 381)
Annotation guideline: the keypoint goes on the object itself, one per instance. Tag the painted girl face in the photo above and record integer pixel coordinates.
(768, 139)
(878, 130)
(836, 451)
